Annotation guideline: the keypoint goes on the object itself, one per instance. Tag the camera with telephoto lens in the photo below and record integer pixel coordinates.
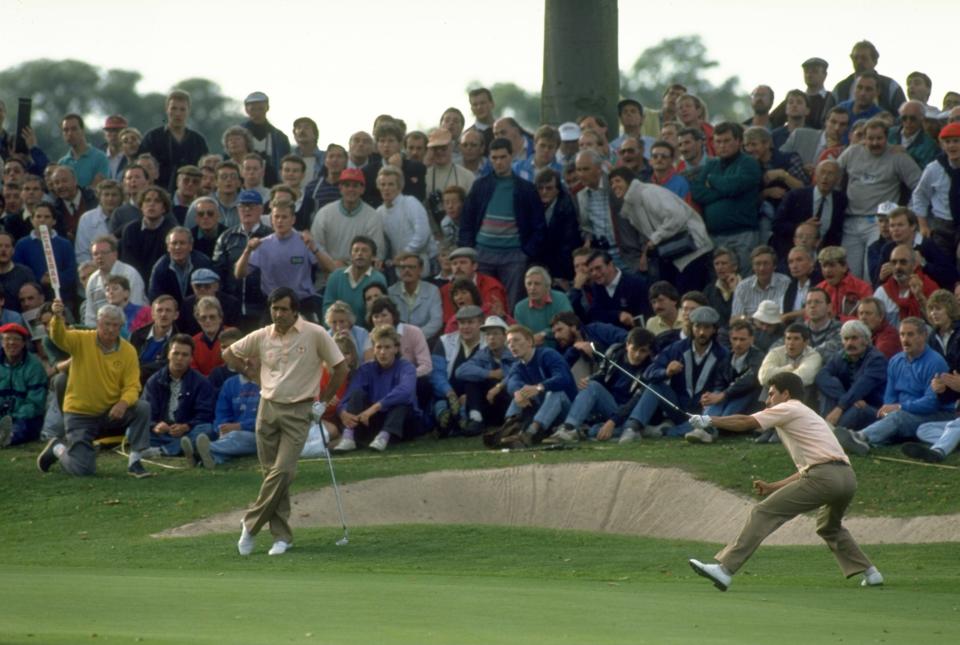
(435, 205)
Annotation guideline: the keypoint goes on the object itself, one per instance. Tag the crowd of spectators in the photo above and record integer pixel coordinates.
(579, 281)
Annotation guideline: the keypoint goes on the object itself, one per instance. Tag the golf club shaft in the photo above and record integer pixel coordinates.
(333, 476)
(638, 381)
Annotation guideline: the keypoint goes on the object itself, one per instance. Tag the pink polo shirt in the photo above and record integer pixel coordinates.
(804, 434)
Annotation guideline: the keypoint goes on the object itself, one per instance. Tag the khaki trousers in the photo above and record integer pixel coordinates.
(281, 432)
(829, 487)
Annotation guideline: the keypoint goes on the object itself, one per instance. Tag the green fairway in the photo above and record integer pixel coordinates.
(477, 585)
(78, 565)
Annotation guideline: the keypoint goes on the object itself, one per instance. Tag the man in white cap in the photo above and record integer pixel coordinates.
(485, 377)
(271, 143)
(569, 142)
(768, 324)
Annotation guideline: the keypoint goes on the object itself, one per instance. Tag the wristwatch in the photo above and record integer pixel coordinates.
(540, 388)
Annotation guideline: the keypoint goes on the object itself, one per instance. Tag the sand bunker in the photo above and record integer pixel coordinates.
(611, 497)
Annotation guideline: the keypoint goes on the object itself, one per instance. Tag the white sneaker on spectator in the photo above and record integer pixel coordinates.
(698, 435)
(380, 442)
(246, 542)
(655, 432)
(563, 434)
(187, 447)
(629, 435)
(203, 451)
(279, 547)
(345, 445)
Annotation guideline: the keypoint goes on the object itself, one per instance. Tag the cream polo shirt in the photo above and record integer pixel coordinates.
(804, 434)
(290, 364)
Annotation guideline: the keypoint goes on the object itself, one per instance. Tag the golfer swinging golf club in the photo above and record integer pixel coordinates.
(285, 358)
(824, 480)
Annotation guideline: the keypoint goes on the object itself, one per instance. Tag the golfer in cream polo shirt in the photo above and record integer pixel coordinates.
(286, 359)
(824, 480)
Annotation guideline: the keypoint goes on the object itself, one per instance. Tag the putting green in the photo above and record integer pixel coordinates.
(310, 605)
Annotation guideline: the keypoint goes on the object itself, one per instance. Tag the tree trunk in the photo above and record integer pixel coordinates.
(580, 63)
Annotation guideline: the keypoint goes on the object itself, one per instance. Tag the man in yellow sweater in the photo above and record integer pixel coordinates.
(103, 393)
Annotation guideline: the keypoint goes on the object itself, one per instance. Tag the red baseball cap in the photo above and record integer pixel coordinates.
(353, 174)
(14, 328)
(949, 131)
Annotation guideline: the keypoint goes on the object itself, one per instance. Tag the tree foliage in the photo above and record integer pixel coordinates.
(61, 87)
(683, 59)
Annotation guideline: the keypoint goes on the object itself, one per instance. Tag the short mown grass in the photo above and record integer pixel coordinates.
(78, 564)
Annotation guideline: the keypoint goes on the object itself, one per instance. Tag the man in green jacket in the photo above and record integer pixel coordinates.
(727, 188)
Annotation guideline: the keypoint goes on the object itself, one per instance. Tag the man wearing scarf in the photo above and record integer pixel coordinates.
(905, 292)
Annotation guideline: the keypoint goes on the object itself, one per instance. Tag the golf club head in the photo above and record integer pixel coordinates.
(343, 541)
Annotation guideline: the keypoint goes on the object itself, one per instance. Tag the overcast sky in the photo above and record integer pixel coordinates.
(343, 63)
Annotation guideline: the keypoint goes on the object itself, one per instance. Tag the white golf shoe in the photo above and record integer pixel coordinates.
(713, 572)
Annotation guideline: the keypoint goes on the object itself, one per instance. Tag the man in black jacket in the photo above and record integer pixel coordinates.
(739, 372)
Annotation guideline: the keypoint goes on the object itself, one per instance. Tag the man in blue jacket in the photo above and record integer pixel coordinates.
(682, 373)
(610, 394)
(851, 383)
(235, 422)
(503, 219)
(484, 376)
(909, 399)
(540, 384)
(181, 403)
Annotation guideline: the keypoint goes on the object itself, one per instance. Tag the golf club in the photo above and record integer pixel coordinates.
(635, 379)
(318, 409)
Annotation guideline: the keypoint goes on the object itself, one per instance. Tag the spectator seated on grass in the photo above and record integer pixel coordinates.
(911, 397)
(347, 284)
(576, 341)
(739, 379)
(103, 394)
(181, 404)
(451, 351)
(23, 388)
(852, 381)
(413, 346)
(541, 385)
(610, 395)
(381, 400)
(484, 376)
(234, 421)
(682, 373)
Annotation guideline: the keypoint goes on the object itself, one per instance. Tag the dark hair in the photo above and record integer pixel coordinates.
(798, 328)
(697, 296)
(478, 91)
(374, 285)
(463, 284)
(728, 127)
(297, 159)
(546, 176)
(600, 253)
(388, 129)
(819, 290)
(363, 239)
(869, 73)
(280, 293)
(866, 44)
(75, 117)
(183, 339)
(623, 173)
(799, 94)
(788, 382)
(660, 143)
(663, 288)
(739, 324)
(696, 133)
(567, 318)
(921, 75)
(501, 144)
(382, 304)
(307, 120)
(640, 337)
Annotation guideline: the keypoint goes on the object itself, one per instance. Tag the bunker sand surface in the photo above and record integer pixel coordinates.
(610, 497)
